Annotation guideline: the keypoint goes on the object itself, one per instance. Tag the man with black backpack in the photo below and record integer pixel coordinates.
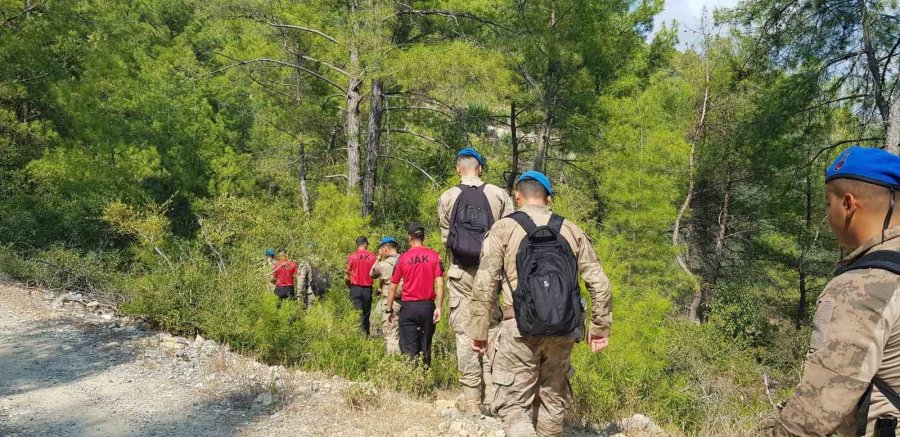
(536, 257)
(465, 213)
(852, 370)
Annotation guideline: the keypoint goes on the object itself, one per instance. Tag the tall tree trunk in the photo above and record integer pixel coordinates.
(543, 140)
(700, 298)
(373, 144)
(872, 63)
(551, 80)
(353, 100)
(804, 252)
(683, 258)
(304, 193)
(514, 139)
(892, 134)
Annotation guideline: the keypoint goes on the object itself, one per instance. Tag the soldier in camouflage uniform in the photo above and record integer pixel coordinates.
(382, 271)
(304, 284)
(474, 370)
(531, 374)
(856, 328)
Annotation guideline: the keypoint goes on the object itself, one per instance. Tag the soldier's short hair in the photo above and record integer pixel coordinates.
(864, 191)
(390, 245)
(531, 188)
(467, 162)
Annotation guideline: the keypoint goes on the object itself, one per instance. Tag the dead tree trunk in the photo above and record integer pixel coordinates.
(551, 80)
(373, 144)
(705, 290)
(514, 140)
(683, 258)
(804, 252)
(872, 63)
(892, 134)
(353, 100)
(304, 192)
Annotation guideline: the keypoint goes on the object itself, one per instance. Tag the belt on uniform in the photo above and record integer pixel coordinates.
(508, 313)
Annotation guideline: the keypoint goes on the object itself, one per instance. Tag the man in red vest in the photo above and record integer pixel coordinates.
(422, 273)
(284, 273)
(359, 264)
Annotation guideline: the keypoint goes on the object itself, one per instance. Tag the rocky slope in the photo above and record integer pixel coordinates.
(71, 366)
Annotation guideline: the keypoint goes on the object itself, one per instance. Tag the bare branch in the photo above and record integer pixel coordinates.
(290, 26)
(415, 134)
(409, 10)
(272, 61)
(414, 165)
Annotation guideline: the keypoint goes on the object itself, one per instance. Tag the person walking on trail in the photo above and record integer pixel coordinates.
(382, 271)
(852, 370)
(465, 213)
(359, 265)
(538, 256)
(421, 271)
(284, 274)
(304, 283)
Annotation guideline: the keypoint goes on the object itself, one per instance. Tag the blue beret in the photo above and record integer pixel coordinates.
(874, 166)
(270, 252)
(387, 240)
(537, 176)
(468, 151)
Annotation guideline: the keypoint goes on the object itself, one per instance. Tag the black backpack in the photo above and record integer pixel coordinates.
(888, 260)
(319, 281)
(470, 220)
(547, 302)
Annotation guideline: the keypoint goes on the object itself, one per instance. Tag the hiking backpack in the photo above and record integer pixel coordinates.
(888, 260)
(470, 220)
(547, 301)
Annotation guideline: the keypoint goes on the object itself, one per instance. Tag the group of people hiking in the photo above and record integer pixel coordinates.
(513, 354)
(516, 308)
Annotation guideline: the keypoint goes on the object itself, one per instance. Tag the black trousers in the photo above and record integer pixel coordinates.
(362, 300)
(284, 293)
(417, 329)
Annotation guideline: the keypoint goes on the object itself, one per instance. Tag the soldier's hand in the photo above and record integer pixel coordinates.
(479, 346)
(598, 343)
(390, 317)
(437, 315)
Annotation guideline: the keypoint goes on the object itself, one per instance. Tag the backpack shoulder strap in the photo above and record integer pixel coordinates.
(556, 223)
(882, 259)
(524, 221)
(862, 408)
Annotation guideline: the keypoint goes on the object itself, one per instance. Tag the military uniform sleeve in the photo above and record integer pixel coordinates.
(484, 290)
(444, 215)
(303, 279)
(597, 284)
(375, 273)
(397, 274)
(850, 331)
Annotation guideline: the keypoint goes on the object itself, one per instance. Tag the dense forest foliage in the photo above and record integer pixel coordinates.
(150, 150)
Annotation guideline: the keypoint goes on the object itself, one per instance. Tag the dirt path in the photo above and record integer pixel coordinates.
(73, 369)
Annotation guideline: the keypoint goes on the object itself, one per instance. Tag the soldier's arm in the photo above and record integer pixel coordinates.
(853, 321)
(484, 290)
(443, 213)
(597, 284)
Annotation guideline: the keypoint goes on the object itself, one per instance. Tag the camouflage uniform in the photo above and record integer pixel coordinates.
(304, 284)
(390, 330)
(267, 268)
(475, 372)
(856, 335)
(531, 375)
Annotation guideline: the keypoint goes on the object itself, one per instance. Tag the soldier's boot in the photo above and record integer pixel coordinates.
(469, 403)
